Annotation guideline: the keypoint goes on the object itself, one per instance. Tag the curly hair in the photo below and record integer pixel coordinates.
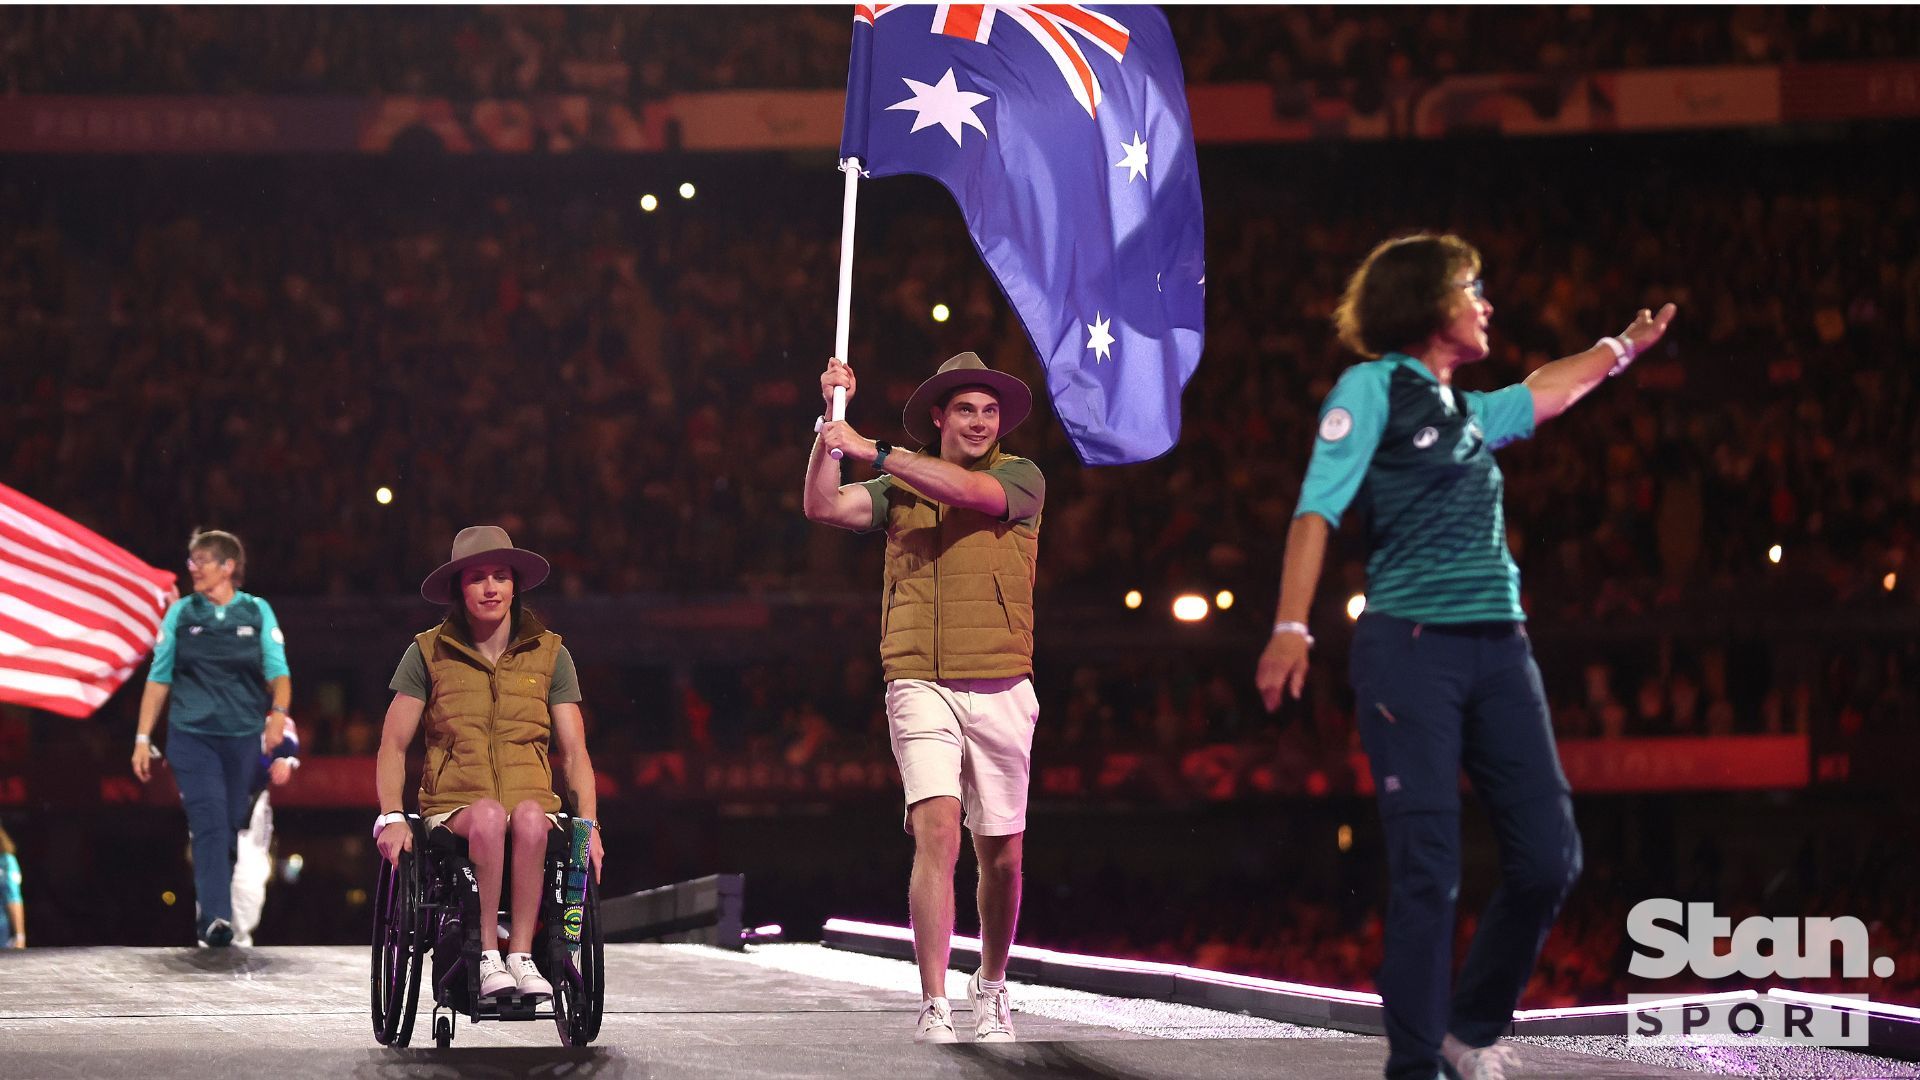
(1403, 293)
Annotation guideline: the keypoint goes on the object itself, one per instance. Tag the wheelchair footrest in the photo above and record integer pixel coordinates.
(515, 1006)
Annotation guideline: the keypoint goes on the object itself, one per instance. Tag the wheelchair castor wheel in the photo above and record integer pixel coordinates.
(443, 1032)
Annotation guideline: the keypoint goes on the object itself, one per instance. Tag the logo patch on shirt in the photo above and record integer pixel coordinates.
(1391, 784)
(245, 631)
(278, 637)
(1336, 424)
(195, 629)
(1426, 437)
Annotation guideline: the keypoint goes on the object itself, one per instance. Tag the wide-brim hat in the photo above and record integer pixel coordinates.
(485, 544)
(964, 370)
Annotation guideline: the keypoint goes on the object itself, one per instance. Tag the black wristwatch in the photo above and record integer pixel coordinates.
(880, 452)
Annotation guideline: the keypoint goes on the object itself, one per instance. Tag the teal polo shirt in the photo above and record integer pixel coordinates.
(219, 658)
(1418, 456)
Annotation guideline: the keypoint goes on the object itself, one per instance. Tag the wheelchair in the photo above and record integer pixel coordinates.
(429, 904)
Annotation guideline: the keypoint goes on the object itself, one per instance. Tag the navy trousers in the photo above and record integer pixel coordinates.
(1431, 701)
(214, 774)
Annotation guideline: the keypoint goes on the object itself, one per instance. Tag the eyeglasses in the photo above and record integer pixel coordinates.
(196, 562)
(1477, 287)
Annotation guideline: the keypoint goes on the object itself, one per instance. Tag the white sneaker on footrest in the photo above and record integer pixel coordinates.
(527, 976)
(1484, 1063)
(495, 979)
(992, 1012)
(936, 1022)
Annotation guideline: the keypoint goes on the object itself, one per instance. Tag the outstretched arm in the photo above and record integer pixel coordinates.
(1558, 385)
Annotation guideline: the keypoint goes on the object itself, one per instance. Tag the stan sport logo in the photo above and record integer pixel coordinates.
(1670, 938)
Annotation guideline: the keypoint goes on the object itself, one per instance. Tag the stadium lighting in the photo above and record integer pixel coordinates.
(168, 898)
(383, 495)
(1889, 581)
(941, 313)
(649, 203)
(1356, 604)
(1134, 599)
(686, 190)
(1344, 838)
(1773, 554)
(1223, 599)
(1190, 608)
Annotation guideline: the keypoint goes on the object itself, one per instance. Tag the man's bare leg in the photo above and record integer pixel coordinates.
(936, 846)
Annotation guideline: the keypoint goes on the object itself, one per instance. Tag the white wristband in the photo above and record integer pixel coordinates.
(142, 740)
(1294, 628)
(1623, 354)
(385, 820)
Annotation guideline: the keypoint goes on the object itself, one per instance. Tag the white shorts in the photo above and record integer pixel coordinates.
(439, 821)
(971, 739)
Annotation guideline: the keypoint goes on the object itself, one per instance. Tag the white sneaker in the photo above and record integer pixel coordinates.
(992, 1012)
(528, 977)
(1484, 1063)
(495, 979)
(936, 1022)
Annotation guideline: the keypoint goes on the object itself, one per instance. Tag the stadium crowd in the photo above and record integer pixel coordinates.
(1367, 56)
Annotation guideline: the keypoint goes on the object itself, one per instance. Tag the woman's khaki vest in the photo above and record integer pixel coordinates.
(488, 727)
(958, 602)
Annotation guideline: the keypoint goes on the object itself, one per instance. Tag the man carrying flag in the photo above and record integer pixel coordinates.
(956, 645)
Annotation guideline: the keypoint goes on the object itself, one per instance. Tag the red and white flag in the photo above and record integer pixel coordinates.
(77, 612)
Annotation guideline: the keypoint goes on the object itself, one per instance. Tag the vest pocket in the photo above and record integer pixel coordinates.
(1000, 594)
(886, 610)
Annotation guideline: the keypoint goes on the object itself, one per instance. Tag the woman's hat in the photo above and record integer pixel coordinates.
(485, 544)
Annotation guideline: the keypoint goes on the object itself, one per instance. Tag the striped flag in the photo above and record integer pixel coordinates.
(77, 612)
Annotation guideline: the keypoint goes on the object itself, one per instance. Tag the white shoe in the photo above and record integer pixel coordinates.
(495, 979)
(1484, 1063)
(992, 1012)
(936, 1022)
(528, 977)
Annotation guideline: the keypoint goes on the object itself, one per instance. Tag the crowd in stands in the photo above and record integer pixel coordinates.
(634, 53)
(262, 348)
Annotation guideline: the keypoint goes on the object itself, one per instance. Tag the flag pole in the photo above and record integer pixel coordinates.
(844, 314)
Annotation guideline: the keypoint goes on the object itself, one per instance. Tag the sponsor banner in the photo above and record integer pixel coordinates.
(1721, 763)
(179, 125)
(757, 119)
(1673, 98)
(1854, 91)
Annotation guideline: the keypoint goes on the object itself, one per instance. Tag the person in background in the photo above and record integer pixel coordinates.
(254, 867)
(13, 911)
(220, 672)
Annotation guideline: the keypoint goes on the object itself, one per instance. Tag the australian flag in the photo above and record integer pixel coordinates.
(1062, 131)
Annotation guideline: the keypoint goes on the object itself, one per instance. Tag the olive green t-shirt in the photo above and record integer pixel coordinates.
(411, 678)
(1026, 490)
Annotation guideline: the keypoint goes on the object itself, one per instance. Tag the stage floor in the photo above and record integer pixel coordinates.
(782, 1011)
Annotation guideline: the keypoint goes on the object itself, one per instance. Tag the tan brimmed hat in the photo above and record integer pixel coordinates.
(485, 544)
(965, 370)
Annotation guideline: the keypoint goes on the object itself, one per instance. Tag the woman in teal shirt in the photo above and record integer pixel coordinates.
(220, 671)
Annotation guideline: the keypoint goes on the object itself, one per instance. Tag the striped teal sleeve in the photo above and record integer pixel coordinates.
(273, 644)
(161, 671)
(1506, 414)
(1351, 421)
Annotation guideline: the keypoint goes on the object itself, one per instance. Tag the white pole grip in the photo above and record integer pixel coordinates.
(843, 315)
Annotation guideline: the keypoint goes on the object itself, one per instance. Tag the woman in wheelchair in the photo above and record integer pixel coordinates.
(494, 687)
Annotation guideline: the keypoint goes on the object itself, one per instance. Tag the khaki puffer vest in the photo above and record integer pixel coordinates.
(488, 727)
(958, 602)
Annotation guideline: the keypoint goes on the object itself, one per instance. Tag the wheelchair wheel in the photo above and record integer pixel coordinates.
(582, 986)
(397, 950)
